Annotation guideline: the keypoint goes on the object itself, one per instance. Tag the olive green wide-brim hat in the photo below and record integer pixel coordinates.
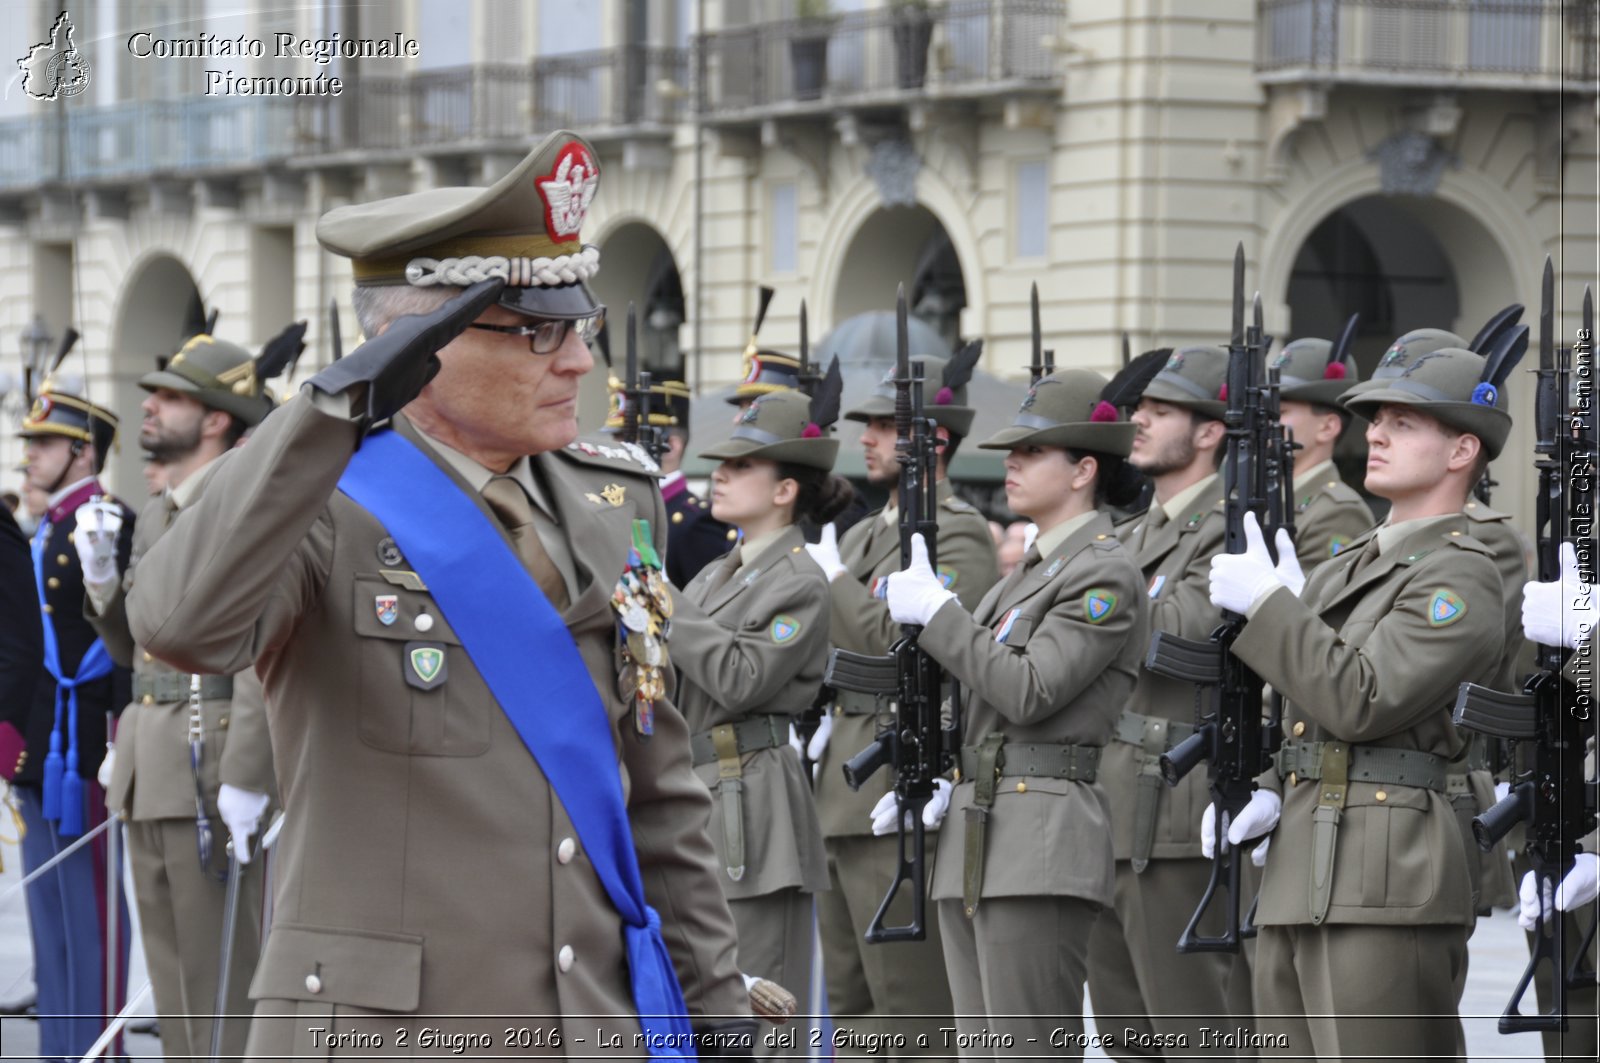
(1194, 378)
(953, 413)
(1398, 358)
(1306, 375)
(1064, 409)
(1445, 384)
(217, 374)
(774, 427)
(524, 228)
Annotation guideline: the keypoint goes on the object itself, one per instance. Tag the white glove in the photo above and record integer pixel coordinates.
(1237, 580)
(819, 738)
(883, 813)
(1030, 533)
(1559, 613)
(1288, 570)
(96, 540)
(1502, 790)
(103, 776)
(825, 552)
(1258, 855)
(916, 593)
(1578, 889)
(795, 743)
(1254, 819)
(241, 811)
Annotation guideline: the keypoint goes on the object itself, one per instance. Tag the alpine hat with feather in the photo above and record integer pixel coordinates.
(787, 426)
(1463, 390)
(945, 396)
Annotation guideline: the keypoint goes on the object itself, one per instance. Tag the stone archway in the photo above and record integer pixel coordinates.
(158, 309)
(909, 246)
(639, 267)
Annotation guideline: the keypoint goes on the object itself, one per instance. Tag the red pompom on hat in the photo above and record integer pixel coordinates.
(944, 397)
(811, 431)
(1222, 393)
(1103, 412)
(1334, 371)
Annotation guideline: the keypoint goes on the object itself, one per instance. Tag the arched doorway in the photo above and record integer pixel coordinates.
(639, 267)
(910, 246)
(1402, 263)
(159, 308)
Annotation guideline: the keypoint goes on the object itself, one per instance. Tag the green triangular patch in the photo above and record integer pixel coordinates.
(1446, 608)
(1098, 603)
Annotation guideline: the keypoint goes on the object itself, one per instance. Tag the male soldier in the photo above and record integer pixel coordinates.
(883, 982)
(694, 537)
(1137, 979)
(62, 726)
(1328, 513)
(187, 753)
(1368, 859)
(490, 797)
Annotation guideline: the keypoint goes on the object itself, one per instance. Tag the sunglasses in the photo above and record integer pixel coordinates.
(547, 336)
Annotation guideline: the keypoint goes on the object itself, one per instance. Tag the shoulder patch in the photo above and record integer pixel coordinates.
(783, 628)
(1098, 603)
(1446, 608)
(947, 576)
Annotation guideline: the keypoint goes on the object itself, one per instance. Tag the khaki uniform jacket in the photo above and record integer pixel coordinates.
(425, 864)
(757, 646)
(1368, 661)
(860, 622)
(151, 777)
(1328, 516)
(1056, 676)
(1175, 561)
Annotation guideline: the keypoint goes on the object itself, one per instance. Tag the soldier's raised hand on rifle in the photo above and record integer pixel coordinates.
(96, 539)
(1577, 890)
(1240, 580)
(825, 552)
(1561, 612)
(916, 593)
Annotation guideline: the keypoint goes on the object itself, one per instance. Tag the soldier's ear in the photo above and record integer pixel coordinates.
(1464, 451)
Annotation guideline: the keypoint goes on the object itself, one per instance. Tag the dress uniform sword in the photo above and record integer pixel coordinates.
(1551, 797)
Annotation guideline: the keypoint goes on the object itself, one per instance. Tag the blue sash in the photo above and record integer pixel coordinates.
(498, 612)
(62, 798)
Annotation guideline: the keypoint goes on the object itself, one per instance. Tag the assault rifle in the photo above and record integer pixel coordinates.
(1550, 795)
(1231, 734)
(916, 743)
(635, 397)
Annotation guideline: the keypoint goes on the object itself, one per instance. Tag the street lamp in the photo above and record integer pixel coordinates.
(36, 343)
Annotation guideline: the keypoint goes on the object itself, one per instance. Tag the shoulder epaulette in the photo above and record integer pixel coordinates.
(1477, 511)
(612, 455)
(1106, 542)
(956, 504)
(1465, 541)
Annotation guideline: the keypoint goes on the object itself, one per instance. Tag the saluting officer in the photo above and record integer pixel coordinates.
(881, 982)
(59, 733)
(1328, 513)
(1025, 861)
(695, 538)
(750, 639)
(1366, 899)
(191, 765)
(464, 635)
(1137, 979)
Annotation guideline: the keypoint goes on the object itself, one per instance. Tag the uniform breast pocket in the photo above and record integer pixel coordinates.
(410, 700)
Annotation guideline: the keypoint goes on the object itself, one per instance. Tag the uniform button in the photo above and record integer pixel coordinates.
(1294, 779)
(313, 984)
(424, 622)
(148, 658)
(677, 517)
(733, 533)
(147, 700)
(565, 851)
(1022, 787)
(48, 609)
(1456, 533)
(1299, 728)
(72, 537)
(223, 723)
(52, 583)
(61, 559)
(1382, 795)
(564, 959)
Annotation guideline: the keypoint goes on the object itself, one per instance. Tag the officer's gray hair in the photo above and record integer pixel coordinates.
(379, 305)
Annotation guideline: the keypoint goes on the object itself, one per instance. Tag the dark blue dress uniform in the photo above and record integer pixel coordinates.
(53, 773)
(694, 537)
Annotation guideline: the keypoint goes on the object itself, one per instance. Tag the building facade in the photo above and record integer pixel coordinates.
(1413, 160)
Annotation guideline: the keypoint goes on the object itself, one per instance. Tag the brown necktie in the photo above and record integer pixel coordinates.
(510, 503)
(1369, 554)
(1154, 518)
(725, 570)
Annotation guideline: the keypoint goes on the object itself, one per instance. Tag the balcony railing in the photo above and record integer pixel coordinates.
(464, 107)
(885, 54)
(1539, 44)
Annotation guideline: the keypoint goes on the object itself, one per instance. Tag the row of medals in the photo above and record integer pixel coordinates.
(643, 603)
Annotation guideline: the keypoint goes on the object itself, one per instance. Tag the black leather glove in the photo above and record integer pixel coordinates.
(729, 1039)
(396, 365)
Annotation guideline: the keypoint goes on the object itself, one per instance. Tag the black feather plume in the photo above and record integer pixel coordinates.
(1508, 349)
(825, 403)
(281, 351)
(69, 340)
(211, 322)
(1493, 329)
(1126, 388)
(958, 370)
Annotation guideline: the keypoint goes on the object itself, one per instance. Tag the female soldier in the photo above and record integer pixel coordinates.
(750, 641)
(1047, 660)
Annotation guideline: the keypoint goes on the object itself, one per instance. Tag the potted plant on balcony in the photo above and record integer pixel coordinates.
(808, 47)
(911, 29)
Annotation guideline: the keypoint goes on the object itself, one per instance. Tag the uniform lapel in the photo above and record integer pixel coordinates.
(599, 547)
(743, 579)
(1041, 575)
